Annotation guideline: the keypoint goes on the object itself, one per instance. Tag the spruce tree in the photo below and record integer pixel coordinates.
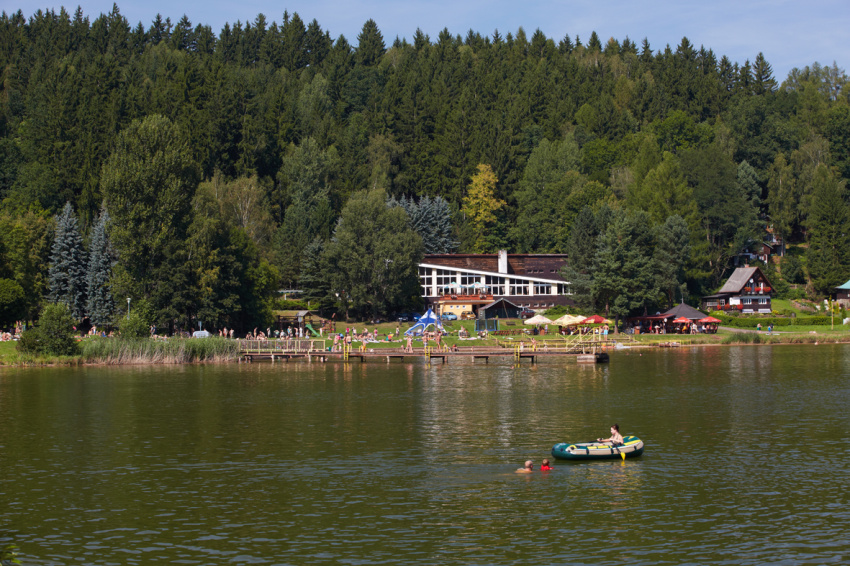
(370, 46)
(763, 81)
(584, 238)
(432, 220)
(100, 305)
(315, 278)
(748, 183)
(67, 274)
(829, 231)
(672, 248)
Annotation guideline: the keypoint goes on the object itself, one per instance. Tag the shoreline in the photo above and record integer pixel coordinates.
(754, 338)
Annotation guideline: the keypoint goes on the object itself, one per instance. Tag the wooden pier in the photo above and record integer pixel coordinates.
(584, 350)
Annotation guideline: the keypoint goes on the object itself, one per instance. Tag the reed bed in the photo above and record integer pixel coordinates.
(171, 351)
(745, 338)
(754, 338)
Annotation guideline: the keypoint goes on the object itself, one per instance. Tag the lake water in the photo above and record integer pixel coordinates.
(746, 461)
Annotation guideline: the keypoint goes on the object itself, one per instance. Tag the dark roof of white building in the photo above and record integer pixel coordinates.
(739, 279)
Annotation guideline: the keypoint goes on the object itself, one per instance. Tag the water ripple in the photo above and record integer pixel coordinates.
(332, 464)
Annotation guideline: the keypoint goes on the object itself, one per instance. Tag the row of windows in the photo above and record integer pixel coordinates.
(512, 287)
(446, 280)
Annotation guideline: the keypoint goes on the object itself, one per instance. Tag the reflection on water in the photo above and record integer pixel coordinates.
(402, 463)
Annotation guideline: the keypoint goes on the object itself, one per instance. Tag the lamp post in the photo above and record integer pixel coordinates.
(128, 307)
(342, 294)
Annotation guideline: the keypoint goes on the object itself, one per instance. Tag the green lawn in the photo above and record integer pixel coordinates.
(8, 353)
(10, 356)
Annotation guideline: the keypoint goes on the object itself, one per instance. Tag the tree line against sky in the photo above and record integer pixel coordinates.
(237, 163)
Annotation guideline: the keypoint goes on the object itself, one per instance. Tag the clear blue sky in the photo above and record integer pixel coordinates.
(789, 33)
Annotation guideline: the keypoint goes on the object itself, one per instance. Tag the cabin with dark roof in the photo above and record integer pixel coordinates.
(746, 291)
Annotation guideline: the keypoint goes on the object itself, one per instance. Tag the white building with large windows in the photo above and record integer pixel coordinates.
(461, 283)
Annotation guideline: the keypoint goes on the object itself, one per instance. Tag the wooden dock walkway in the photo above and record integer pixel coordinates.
(585, 351)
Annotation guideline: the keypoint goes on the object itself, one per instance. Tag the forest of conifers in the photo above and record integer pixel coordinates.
(257, 158)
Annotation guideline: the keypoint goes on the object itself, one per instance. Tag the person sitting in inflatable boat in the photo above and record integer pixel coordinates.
(616, 438)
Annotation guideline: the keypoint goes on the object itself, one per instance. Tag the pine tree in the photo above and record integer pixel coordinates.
(748, 183)
(315, 278)
(100, 305)
(584, 238)
(594, 44)
(763, 81)
(672, 248)
(623, 269)
(67, 275)
(432, 220)
(370, 46)
(829, 231)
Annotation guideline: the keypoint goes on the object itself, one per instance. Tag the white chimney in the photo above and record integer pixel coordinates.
(503, 261)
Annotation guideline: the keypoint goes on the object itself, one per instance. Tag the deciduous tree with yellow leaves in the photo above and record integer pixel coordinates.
(480, 205)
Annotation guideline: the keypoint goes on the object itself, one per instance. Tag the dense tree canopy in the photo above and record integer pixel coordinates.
(223, 156)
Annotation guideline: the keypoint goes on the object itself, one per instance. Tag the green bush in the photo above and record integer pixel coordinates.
(556, 312)
(815, 320)
(746, 322)
(721, 316)
(290, 305)
(781, 289)
(53, 334)
(751, 321)
(796, 294)
(30, 341)
(754, 321)
(134, 327)
(792, 269)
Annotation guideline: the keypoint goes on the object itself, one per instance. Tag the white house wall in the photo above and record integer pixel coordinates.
(525, 285)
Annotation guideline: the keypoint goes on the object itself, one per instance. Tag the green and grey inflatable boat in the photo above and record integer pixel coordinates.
(632, 447)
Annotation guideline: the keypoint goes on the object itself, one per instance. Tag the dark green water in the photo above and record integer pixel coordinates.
(746, 462)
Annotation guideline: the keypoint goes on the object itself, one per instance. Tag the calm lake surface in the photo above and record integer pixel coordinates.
(746, 461)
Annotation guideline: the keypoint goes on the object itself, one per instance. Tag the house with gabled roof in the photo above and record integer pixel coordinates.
(746, 291)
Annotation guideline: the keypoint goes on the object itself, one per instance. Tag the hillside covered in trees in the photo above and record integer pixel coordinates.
(225, 165)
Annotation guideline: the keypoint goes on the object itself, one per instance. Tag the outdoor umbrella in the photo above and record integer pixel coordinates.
(682, 320)
(569, 320)
(709, 320)
(538, 319)
(595, 319)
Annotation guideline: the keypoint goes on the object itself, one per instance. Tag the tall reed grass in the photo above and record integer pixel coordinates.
(171, 351)
(754, 338)
(745, 338)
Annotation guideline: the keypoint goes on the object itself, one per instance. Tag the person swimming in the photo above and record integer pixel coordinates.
(545, 467)
(529, 467)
